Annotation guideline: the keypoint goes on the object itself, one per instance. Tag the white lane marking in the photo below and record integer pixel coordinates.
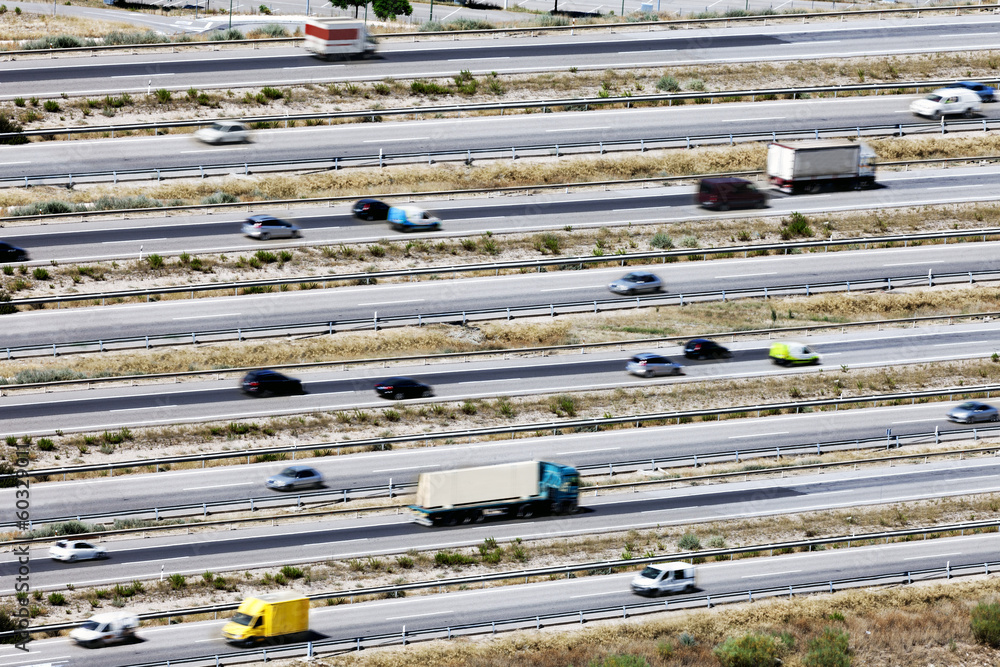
(917, 421)
(162, 238)
(937, 261)
(758, 435)
(769, 574)
(217, 486)
(968, 342)
(204, 317)
(429, 465)
(383, 303)
(151, 407)
(587, 451)
(955, 187)
(957, 553)
(50, 660)
(567, 289)
(743, 120)
(23, 162)
(132, 76)
(456, 60)
(218, 150)
(577, 129)
(593, 595)
(748, 275)
(432, 613)
(375, 141)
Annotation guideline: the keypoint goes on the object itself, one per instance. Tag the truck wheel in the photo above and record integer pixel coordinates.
(476, 516)
(525, 511)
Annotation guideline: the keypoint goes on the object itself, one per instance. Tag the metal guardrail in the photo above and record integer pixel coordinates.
(554, 426)
(482, 314)
(498, 152)
(656, 464)
(585, 102)
(538, 264)
(826, 585)
(455, 34)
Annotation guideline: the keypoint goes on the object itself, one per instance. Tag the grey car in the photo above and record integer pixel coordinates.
(266, 227)
(224, 132)
(647, 364)
(295, 477)
(973, 411)
(636, 282)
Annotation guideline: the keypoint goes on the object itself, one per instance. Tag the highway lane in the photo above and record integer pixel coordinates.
(132, 495)
(508, 602)
(515, 55)
(458, 135)
(106, 239)
(107, 407)
(408, 299)
(663, 508)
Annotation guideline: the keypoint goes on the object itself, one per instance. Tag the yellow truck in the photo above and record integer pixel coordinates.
(274, 616)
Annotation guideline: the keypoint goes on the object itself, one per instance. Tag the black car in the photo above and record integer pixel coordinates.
(702, 348)
(370, 209)
(725, 193)
(11, 253)
(400, 388)
(258, 383)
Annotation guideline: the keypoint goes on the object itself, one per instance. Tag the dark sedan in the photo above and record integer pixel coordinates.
(702, 348)
(370, 209)
(986, 93)
(11, 253)
(400, 388)
(258, 383)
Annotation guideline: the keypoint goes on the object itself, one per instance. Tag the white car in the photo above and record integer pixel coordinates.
(224, 132)
(115, 626)
(662, 578)
(947, 102)
(74, 550)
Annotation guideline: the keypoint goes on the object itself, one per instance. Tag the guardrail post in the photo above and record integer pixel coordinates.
(390, 487)
(581, 617)
(708, 601)
(494, 623)
(552, 311)
(807, 289)
(8, 353)
(513, 153)
(688, 142)
(147, 342)
(831, 586)
(937, 435)
(375, 320)
(947, 569)
(381, 164)
(309, 650)
(737, 456)
(888, 285)
(642, 145)
(749, 596)
(817, 133)
(100, 344)
(359, 641)
(156, 513)
(246, 169)
(463, 318)
(508, 312)
(730, 139)
(53, 351)
(345, 495)
(624, 611)
(723, 296)
(943, 131)
(789, 591)
(986, 566)
(204, 509)
(909, 579)
(252, 508)
(194, 338)
(600, 144)
(695, 460)
(557, 150)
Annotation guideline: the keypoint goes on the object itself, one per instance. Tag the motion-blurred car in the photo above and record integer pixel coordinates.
(295, 477)
(223, 132)
(647, 364)
(725, 193)
(973, 411)
(11, 253)
(986, 93)
(636, 282)
(258, 383)
(264, 227)
(399, 388)
(790, 353)
(412, 218)
(663, 578)
(370, 209)
(74, 550)
(702, 348)
(946, 102)
(115, 626)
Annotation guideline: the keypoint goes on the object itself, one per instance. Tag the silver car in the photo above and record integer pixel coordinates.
(636, 282)
(74, 550)
(295, 477)
(223, 132)
(266, 227)
(648, 364)
(973, 411)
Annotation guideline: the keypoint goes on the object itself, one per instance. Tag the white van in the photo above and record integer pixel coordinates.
(947, 102)
(663, 578)
(107, 628)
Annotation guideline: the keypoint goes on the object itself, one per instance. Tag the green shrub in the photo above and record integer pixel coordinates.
(620, 660)
(273, 30)
(662, 241)
(424, 87)
(689, 542)
(452, 559)
(667, 84)
(46, 445)
(830, 649)
(120, 37)
(272, 93)
(564, 406)
(155, 261)
(290, 572)
(219, 197)
(8, 125)
(177, 581)
(796, 225)
(226, 35)
(750, 650)
(113, 203)
(57, 599)
(547, 243)
(39, 273)
(163, 95)
(986, 623)
(404, 562)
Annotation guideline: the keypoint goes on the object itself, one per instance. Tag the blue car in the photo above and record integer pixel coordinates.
(985, 92)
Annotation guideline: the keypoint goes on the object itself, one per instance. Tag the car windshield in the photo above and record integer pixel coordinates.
(934, 98)
(633, 277)
(287, 472)
(650, 573)
(90, 625)
(242, 619)
(969, 406)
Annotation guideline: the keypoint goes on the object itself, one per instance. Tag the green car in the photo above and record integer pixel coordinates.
(792, 354)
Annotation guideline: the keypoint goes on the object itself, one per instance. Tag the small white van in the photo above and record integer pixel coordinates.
(664, 578)
(947, 102)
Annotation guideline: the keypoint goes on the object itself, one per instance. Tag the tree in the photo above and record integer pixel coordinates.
(344, 4)
(389, 9)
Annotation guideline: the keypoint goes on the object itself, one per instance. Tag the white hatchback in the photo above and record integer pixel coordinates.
(74, 550)
(224, 132)
(947, 102)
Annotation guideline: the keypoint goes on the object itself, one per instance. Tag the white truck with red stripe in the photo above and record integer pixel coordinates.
(338, 37)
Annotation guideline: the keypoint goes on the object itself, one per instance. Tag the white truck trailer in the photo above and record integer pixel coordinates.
(338, 37)
(812, 166)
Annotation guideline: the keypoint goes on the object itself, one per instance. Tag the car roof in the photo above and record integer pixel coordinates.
(647, 355)
(666, 567)
(700, 340)
(262, 217)
(298, 468)
(368, 200)
(727, 180)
